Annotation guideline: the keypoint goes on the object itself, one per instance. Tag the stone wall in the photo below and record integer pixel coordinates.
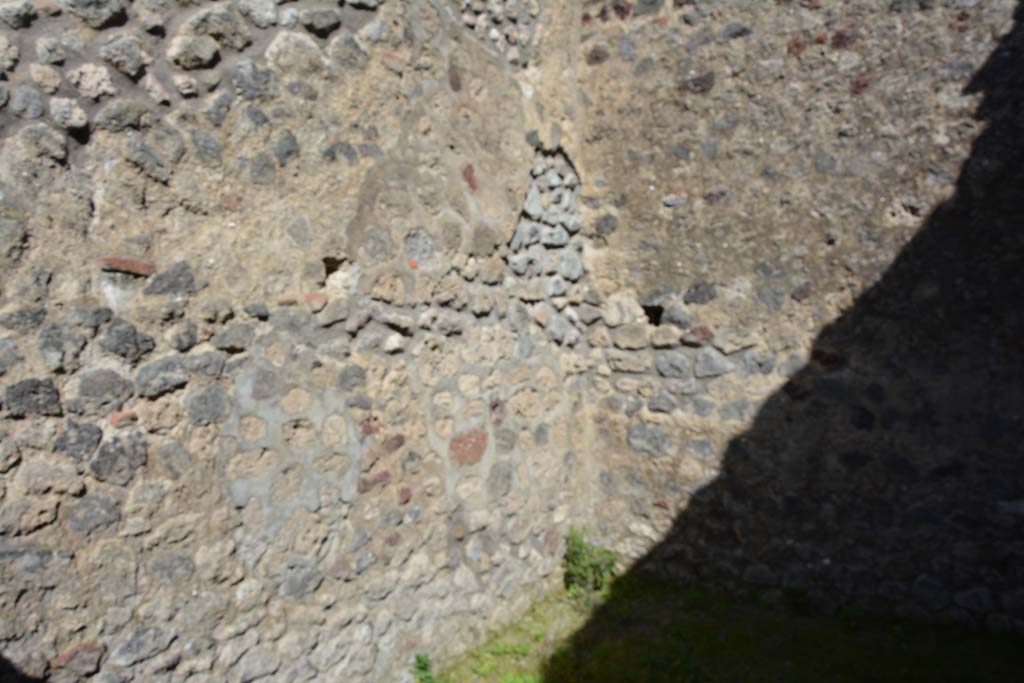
(321, 323)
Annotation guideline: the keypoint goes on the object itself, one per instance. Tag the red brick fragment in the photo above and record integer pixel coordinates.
(404, 495)
(468, 448)
(697, 336)
(126, 264)
(469, 176)
(379, 479)
(316, 301)
(123, 417)
(796, 46)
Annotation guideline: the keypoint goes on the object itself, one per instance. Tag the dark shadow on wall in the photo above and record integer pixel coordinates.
(888, 474)
(10, 674)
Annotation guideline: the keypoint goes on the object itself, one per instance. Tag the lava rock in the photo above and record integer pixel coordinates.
(32, 397)
(78, 440)
(122, 339)
(176, 280)
(92, 512)
(207, 405)
(118, 459)
(161, 377)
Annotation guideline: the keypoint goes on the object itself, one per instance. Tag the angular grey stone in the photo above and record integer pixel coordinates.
(143, 643)
(208, 148)
(672, 364)
(300, 580)
(78, 440)
(160, 377)
(222, 23)
(100, 392)
(148, 161)
(259, 662)
(125, 53)
(735, 410)
(32, 397)
(97, 13)
(235, 339)
(252, 82)
(285, 147)
(320, 21)
(118, 459)
(662, 403)
(674, 314)
(122, 114)
(184, 336)
(703, 449)
(419, 245)
(499, 481)
(209, 364)
(570, 266)
(60, 347)
(92, 512)
(700, 293)
(258, 311)
(218, 108)
(174, 458)
(351, 377)
(27, 101)
(648, 438)
(172, 567)
(534, 204)
(207, 405)
(176, 280)
(710, 363)
(91, 318)
(17, 13)
(122, 339)
(23, 320)
(262, 13)
(10, 356)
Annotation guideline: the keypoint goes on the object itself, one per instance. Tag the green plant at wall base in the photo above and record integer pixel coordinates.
(588, 569)
(423, 670)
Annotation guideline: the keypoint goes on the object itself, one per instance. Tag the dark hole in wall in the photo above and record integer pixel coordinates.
(332, 264)
(653, 314)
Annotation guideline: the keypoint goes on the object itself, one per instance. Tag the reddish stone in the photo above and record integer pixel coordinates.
(379, 479)
(697, 336)
(369, 426)
(393, 540)
(46, 7)
(468, 448)
(287, 300)
(231, 201)
(393, 443)
(125, 264)
(661, 503)
(470, 177)
(821, 38)
(413, 265)
(123, 417)
(316, 301)
(82, 659)
(796, 46)
(405, 495)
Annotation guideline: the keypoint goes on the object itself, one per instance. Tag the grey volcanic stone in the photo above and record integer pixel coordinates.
(119, 458)
(97, 13)
(207, 405)
(174, 458)
(178, 279)
(209, 364)
(675, 315)
(78, 440)
(208, 148)
(351, 377)
(193, 52)
(60, 346)
(27, 101)
(700, 293)
(320, 21)
(259, 662)
(143, 643)
(125, 53)
(222, 23)
(161, 377)
(710, 363)
(184, 336)
(285, 147)
(100, 392)
(17, 13)
(32, 397)
(672, 364)
(23, 320)
(92, 512)
(235, 339)
(122, 339)
(648, 438)
(9, 354)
